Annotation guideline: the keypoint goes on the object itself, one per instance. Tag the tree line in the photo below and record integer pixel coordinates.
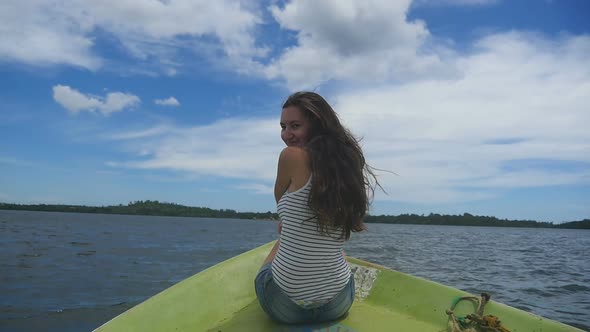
(146, 208)
(467, 219)
(156, 208)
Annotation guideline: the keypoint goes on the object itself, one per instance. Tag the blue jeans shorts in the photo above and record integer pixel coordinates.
(279, 307)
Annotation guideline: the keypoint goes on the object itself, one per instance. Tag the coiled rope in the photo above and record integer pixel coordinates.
(475, 322)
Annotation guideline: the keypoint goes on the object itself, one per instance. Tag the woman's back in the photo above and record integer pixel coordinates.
(309, 265)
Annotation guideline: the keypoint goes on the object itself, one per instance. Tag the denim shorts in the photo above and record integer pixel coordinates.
(279, 307)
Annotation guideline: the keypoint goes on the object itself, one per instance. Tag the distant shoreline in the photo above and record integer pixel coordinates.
(156, 208)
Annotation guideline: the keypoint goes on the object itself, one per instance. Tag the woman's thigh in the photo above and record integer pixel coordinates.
(277, 305)
(338, 306)
(280, 308)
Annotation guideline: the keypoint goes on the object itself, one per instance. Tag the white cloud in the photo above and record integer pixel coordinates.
(369, 41)
(75, 101)
(257, 188)
(233, 148)
(433, 126)
(519, 97)
(171, 101)
(150, 132)
(336, 40)
(436, 133)
(41, 32)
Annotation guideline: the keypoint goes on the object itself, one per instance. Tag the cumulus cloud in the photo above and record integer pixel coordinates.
(42, 32)
(38, 32)
(171, 101)
(452, 124)
(370, 41)
(75, 101)
(336, 40)
(439, 135)
(520, 97)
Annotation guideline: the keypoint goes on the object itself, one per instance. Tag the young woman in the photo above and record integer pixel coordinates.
(322, 191)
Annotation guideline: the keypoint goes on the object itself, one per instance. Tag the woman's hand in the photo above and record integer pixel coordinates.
(280, 226)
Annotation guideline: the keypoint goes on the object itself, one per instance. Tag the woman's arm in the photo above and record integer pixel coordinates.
(282, 183)
(285, 170)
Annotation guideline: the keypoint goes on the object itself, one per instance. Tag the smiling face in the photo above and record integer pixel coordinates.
(295, 127)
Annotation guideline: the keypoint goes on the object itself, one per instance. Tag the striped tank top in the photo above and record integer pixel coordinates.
(309, 266)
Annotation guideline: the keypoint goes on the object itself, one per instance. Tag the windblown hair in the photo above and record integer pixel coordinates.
(342, 184)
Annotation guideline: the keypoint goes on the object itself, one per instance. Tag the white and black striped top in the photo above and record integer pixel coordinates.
(309, 266)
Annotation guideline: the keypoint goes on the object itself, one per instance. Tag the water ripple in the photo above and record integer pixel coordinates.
(49, 259)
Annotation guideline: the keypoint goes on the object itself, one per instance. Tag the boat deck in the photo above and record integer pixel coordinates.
(362, 317)
(222, 299)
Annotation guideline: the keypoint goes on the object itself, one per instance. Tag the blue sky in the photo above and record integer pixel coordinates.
(478, 106)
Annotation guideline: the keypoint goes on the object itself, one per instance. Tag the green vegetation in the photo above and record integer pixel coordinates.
(470, 220)
(155, 208)
(147, 208)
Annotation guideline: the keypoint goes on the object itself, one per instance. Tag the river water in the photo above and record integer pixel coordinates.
(73, 272)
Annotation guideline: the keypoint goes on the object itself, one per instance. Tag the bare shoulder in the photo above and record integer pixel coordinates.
(296, 160)
(293, 171)
(294, 155)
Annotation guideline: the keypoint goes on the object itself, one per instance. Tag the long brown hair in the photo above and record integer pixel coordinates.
(342, 184)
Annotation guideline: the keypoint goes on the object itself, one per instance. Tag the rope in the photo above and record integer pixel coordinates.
(475, 322)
